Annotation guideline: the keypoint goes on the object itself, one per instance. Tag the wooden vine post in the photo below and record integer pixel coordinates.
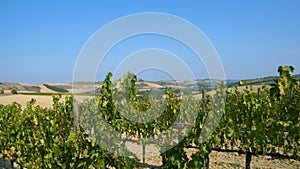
(249, 154)
(206, 160)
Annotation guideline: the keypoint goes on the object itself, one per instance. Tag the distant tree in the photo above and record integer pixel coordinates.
(1, 91)
(14, 91)
(54, 88)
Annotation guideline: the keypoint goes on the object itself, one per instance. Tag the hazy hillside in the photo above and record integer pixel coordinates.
(194, 86)
(265, 80)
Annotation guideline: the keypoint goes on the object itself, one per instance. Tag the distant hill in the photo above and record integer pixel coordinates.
(265, 80)
(19, 87)
(194, 86)
(35, 88)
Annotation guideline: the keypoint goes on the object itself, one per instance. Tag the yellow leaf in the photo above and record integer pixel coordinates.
(42, 141)
(35, 121)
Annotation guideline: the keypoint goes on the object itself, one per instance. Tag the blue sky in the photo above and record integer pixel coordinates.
(41, 40)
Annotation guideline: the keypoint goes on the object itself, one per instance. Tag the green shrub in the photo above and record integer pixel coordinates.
(14, 91)
(56, 89)
(1, 91)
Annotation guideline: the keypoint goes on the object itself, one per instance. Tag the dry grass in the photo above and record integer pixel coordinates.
(44, 101)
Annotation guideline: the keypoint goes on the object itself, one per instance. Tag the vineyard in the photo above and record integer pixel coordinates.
(263, 122)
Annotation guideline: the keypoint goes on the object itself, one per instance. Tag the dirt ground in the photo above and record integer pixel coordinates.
(219, 160)
(222, 160)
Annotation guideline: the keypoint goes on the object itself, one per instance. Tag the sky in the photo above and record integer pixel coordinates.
(40, 41)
